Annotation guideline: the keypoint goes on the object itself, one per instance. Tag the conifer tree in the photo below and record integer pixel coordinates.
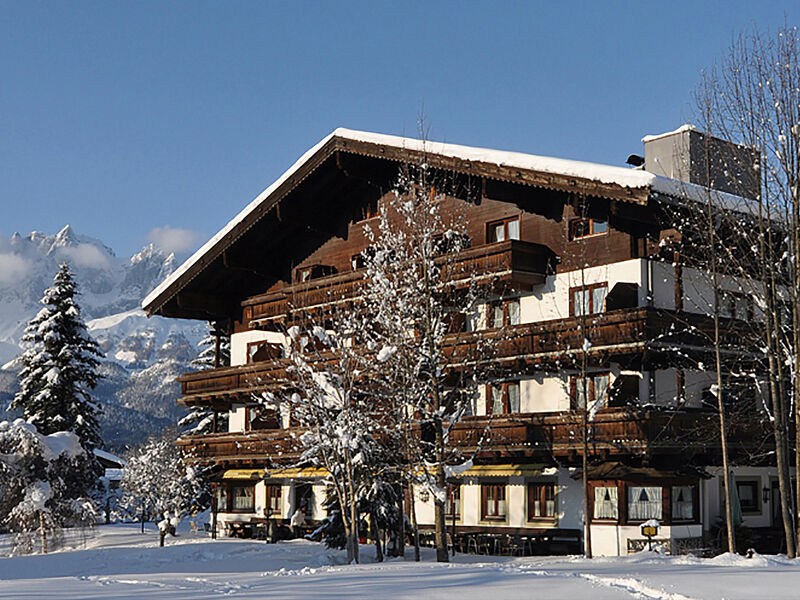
(60, 367)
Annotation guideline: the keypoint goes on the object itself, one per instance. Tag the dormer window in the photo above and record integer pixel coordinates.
(507, 229)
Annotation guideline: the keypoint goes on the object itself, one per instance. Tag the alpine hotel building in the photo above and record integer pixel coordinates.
(554, 240)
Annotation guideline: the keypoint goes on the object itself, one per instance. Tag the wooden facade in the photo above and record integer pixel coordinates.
(295, 252)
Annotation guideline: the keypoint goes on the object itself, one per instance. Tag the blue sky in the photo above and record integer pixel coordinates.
(127, 119)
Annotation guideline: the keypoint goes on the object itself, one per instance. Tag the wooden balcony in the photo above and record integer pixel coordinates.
(613, 432)
(541, 437)
(258, 448)
(620, 332)
(511, 263)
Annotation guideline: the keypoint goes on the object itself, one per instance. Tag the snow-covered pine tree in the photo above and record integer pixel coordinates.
(39, 493)
(215, 351)
(60, 367)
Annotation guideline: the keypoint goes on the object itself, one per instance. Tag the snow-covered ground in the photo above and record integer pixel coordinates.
(119, 562)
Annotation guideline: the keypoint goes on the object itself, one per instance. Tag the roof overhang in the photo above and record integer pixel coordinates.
(586, 179)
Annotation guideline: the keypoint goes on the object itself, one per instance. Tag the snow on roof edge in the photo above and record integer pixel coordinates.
(608, 174)
(657, 136)
(189, 262)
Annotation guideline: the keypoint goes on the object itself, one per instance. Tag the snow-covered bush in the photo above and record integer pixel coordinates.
(42, 484)
(156, 481)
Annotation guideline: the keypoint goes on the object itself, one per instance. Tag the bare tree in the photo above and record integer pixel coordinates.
(417, 293)
(752, 96)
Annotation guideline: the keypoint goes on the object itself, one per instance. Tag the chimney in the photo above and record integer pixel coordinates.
(690, 155)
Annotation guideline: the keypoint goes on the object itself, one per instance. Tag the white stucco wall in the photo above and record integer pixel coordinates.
(240, 340)
(569, 501)
(612, 540)
(236, 418)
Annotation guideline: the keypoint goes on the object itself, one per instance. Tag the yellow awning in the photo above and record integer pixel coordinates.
(243, 474)
(274, 473)
(308, 472)
(510, 470)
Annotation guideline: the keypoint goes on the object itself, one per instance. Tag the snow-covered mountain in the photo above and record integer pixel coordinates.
(143, 356)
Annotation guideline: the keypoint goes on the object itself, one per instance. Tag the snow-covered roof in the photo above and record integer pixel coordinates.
(682, 129)
(108, 456)
(622, 178)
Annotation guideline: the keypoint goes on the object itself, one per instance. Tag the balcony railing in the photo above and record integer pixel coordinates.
(622, 331)
(260, 447)
(512, 263)
(612, 432)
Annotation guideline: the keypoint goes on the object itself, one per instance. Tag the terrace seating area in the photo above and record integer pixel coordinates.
(533, 543)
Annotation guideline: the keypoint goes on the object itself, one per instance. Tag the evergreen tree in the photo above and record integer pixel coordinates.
(200, 419)
(60, 367)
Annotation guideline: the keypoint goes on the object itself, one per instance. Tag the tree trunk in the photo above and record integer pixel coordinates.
(43, 531)
(400, 543)
(774, 363)
(414, 527)
(723, 431)
(142, 519)
(440, 522)
(376, 533)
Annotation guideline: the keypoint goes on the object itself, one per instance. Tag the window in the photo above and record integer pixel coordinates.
(449, 242)
(587, 300)
(593, 388)
(748, 496)
(736, 306)
(370, 210)
(493, 502)
(261, 351)
(304, 274)
(273, 499)
(221, 496)
(498, 231)
(541, 501)
(262, 417)
(242, 498)
(502, 398)
(453, 507)
(359, 261)
(503, 313)
(644, 503)
(579, 228)
(606, 505)
(683, 502)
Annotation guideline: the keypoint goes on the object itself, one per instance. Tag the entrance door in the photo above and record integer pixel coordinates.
(304, 496)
